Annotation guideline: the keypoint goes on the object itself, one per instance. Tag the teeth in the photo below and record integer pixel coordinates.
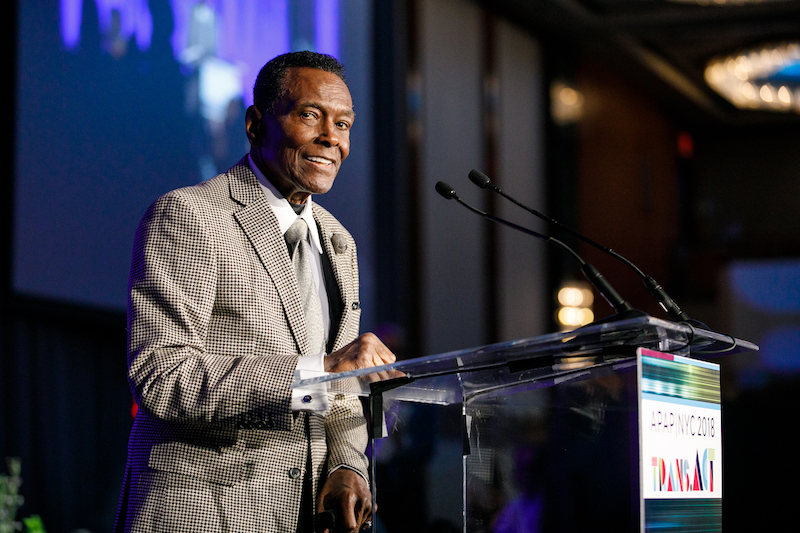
(321, 160)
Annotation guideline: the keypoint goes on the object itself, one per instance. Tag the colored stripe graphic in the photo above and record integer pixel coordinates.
(673, 379)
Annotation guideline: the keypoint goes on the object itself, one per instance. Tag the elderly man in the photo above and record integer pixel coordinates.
(236, 284)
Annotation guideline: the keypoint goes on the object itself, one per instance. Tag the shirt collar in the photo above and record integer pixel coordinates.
(283, 210)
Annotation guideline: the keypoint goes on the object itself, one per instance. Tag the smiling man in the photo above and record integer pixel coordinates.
(306, 137)
(236, 284)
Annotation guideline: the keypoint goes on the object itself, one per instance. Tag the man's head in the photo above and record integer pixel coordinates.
(299, 126)
(269, 86)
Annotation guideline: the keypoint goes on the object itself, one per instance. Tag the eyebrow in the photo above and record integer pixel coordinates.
(347, 112)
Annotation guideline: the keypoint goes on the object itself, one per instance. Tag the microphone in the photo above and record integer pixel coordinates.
(668, 304)
(620, 305)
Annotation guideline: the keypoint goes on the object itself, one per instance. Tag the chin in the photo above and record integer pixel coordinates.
(320, 187)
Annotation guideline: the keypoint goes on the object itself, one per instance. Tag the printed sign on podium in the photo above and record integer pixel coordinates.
(680, 431)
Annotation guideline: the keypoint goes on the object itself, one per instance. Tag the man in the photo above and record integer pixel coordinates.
(219, 322)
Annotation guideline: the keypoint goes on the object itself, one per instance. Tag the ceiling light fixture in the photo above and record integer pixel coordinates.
(766, 77)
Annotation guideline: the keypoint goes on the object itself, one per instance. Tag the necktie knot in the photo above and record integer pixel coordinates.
(297, 232)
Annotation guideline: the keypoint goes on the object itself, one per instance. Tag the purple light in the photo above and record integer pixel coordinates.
(248, 32)
(134, 17)
(71, 22)
(327, 27)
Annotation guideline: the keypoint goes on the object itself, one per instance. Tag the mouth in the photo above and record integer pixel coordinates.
(319, 160)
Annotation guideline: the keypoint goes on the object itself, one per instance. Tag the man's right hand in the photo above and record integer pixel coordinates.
(364, 352)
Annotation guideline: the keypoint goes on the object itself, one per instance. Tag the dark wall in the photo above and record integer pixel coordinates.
(684, 201)
(64, 403)
(748, 190)
(626, 186)
(65, 411)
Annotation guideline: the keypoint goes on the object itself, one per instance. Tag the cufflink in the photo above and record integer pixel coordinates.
(307, 398)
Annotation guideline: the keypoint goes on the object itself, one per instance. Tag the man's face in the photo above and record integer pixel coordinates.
(301, 147)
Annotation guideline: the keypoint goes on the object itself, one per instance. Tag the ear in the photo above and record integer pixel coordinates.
(254, 125)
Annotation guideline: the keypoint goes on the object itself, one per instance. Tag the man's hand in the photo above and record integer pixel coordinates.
(364, 352)
(346, 493)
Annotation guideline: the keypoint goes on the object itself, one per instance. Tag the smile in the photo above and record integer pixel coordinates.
(319, 160)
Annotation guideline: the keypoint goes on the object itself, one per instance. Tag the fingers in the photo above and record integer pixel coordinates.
(349, 522)
(373, 350)
(364, 352)
(383, 376)
(346, 496)
(365, 522)
(324, 521)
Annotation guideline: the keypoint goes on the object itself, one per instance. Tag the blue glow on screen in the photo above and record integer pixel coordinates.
(120, 101)
(327, 22)
(771, 286)
(780, 349)
(770, 290)
(238, 34)
(133, 17)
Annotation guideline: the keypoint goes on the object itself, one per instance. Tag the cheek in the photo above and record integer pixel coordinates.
(291, 156)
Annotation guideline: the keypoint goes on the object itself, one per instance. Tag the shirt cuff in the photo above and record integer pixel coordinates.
(313, 398)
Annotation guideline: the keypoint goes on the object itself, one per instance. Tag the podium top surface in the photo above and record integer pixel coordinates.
(454, 377)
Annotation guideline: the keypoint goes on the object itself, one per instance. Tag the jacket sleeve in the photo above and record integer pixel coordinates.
(346, 430)
(173, 287)
(346, 427)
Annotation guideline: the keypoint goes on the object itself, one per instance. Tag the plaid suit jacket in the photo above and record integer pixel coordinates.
(215, 326)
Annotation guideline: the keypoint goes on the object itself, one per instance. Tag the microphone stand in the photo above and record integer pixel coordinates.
(623, 309)
(668, 304)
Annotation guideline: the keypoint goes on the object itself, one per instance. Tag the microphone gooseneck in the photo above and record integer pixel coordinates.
(592, 275)
(668, 304)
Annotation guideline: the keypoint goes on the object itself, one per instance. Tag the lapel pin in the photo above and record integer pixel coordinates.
(339, 243)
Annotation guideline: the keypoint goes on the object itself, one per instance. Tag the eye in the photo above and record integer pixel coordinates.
(342, 125)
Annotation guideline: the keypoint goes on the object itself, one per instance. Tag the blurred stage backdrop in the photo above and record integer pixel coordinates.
(118, 102)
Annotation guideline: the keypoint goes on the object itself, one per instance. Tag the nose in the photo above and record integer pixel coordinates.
(329, 134)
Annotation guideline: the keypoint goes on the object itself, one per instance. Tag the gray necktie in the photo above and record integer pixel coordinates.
(300, 252)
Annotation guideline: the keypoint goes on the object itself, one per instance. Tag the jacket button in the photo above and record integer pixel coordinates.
(294, 473)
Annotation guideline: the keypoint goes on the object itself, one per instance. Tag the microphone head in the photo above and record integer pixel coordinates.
(446, 190)
(479, 178)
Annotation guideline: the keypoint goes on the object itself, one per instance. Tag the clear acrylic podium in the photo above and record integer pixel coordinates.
(534, 435)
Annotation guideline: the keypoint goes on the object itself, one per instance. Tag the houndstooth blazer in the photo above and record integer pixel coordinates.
(215, 326)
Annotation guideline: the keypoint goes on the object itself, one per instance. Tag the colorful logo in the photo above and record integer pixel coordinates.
(685, 475)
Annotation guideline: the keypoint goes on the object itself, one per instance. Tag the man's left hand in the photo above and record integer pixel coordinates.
(346, 493)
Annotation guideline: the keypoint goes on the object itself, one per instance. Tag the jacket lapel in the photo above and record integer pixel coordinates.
(342, 270)
(261, 228)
